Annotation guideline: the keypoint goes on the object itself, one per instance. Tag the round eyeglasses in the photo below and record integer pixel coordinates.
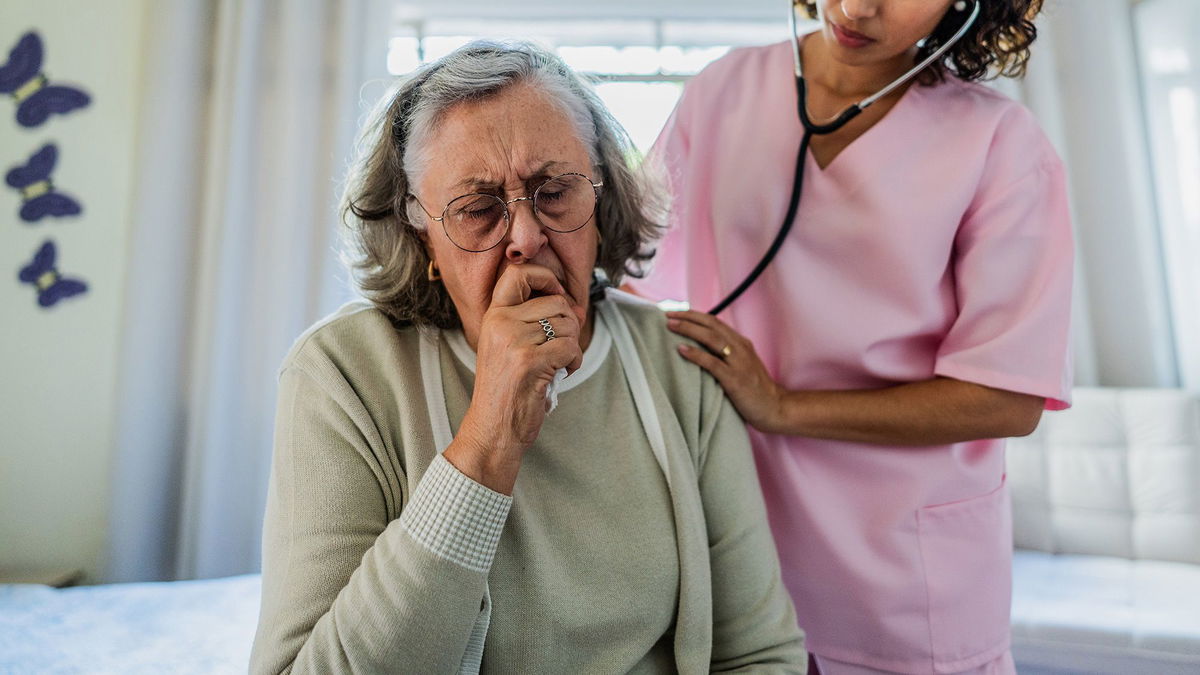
(479, 222)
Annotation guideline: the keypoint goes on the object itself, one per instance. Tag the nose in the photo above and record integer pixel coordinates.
(525, 234)
(859, 9)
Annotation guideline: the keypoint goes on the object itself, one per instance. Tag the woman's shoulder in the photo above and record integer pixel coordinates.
(684, 382)
(753, 57)
(980, 105)
(647, 322)
(691, 393)
(357, 331)
(979, 97)
(742, 68)
(983, 123)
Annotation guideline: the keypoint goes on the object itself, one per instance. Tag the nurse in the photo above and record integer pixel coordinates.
(917, 312)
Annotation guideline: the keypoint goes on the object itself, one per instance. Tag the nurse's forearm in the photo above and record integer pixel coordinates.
(933, 412)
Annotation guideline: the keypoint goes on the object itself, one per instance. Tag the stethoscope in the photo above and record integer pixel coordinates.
(811, 128)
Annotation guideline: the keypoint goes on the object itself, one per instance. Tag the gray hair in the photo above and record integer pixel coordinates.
(387, 254)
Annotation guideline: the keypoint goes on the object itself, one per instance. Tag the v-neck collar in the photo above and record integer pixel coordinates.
(866, 138)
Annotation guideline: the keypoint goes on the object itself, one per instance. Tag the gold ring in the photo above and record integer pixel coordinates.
(726, 351)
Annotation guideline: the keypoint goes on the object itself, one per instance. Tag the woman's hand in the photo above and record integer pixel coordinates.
(515, 363)
(937, 411)
(731, 358)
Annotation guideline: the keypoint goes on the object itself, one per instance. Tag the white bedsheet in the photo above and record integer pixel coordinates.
(1101, 615)
(175, 627)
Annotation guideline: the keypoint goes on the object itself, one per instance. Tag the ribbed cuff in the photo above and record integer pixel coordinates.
(455, 517)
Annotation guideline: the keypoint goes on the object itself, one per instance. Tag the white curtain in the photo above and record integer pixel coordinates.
(248, 119)
(1168, 40)
(1084, 87)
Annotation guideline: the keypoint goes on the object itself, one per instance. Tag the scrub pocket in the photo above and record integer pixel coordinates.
(967, 551)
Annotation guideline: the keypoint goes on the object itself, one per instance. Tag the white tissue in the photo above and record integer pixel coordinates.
(552, 390)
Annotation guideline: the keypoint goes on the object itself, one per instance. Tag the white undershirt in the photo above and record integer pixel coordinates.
(593, 356)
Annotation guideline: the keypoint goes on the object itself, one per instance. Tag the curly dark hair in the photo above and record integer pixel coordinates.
(996, 46)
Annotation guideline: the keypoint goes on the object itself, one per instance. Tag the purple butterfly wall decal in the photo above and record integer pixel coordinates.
(22, 77)
(40, 197)
(43, 275)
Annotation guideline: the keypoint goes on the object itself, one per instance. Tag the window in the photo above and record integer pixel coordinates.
(639, 64)
(1169, 59)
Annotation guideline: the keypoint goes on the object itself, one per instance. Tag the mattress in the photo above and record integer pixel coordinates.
(1099, 614)
(202, 626)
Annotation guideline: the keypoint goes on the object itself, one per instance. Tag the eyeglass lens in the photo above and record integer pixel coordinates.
(477, 222)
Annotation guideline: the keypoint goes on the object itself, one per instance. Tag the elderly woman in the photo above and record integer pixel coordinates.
(441, 499)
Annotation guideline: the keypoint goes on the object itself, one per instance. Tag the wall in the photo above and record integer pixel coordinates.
(58, 365)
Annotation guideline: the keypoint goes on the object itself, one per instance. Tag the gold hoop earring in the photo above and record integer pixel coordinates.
(432, 272)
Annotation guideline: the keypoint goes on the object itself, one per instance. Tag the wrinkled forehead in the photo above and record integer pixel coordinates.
(511, 138)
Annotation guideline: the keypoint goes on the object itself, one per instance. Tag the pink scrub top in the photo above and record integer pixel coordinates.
(938, 243)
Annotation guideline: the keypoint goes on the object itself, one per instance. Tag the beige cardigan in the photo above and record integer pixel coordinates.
(369, 568)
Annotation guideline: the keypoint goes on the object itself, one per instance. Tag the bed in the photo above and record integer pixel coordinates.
(1106, 502)
(181, 627)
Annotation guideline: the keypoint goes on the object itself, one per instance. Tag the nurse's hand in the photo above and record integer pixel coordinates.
(515, 364)
(731, 358)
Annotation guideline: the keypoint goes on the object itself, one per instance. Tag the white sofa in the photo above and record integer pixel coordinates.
(1106, 522)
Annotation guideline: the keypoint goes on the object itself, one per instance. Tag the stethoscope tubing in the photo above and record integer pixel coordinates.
(811, 128)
